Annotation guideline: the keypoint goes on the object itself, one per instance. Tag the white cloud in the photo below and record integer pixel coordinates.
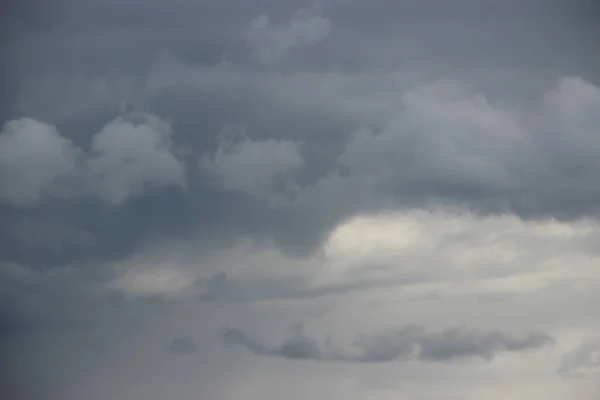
(126, 157)
(34, 161)
(272, 43)
(413, 255)
(470, 253)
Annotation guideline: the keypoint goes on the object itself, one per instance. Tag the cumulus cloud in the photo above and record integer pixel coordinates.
(446, 145)
(126, 157)
(260, 168)
(271, 43)
(422, 141)
(584, 359)
(35, 161)
(444, 135)
(409, 342)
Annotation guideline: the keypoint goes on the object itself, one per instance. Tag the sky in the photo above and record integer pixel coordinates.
(286, 199)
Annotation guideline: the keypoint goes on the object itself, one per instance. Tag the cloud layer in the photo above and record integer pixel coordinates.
(410, 185)
(411, 342)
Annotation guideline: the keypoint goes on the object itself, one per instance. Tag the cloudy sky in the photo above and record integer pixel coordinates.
(286, 199)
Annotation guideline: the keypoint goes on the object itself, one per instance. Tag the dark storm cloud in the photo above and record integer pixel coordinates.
(405, 343)
(90, 57)
(49, 235)
(74, 298)
(331, 118)
(34, 302)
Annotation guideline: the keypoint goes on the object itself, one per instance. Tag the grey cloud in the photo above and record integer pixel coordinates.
(49, 235)
(46, 301)
(215, 287)
(44, 310)
(449, 146)
(582, 360)
(255, 167)
(321, 96)
(421, 145)
(272, 43)
(221, 287)
(409, 183)
(297, 347)
(464, 342)
(126, 156)
(182, 345)
(113, 58)
(67, 299)
(410, 342)
(34, 160)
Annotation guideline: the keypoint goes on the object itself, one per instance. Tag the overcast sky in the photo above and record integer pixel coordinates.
(286, 199)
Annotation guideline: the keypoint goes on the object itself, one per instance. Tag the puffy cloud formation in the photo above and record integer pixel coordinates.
(125, 158)
(34, 161)
(128, 156)
(255, 167)
(446, 145)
